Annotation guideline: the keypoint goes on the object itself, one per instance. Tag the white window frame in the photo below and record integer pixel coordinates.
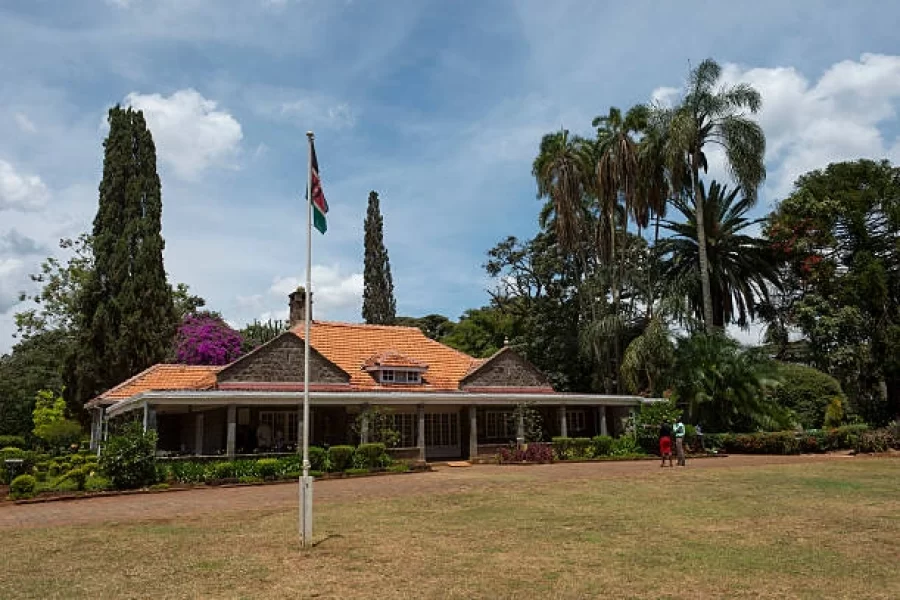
(399, 376)
(282, 420)
(576, 420)
(405, 424)
(498, 424)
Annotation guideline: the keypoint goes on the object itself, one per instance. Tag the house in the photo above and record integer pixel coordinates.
(441, 402)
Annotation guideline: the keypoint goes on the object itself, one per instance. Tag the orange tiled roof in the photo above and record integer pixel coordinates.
(392, 358)
(161, 377)
(350, 345)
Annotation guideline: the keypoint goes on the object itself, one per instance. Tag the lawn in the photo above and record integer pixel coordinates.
(799, 530)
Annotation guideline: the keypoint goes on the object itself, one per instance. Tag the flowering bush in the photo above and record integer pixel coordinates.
(538, 452)
(205, 339)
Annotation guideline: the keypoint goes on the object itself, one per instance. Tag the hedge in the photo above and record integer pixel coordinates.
(848, 437)
(807, 392)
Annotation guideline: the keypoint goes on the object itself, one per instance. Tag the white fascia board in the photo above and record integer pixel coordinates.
(274, 398)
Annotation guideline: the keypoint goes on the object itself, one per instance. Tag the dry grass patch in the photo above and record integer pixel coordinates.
(807, 531)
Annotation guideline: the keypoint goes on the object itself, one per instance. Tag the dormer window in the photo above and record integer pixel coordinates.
(396, 376)
(392, 368)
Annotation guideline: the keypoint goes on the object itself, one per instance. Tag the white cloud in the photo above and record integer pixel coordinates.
(24, 123)
(12, 273)
(20, 192)
(15, 243)
(190, 133)
(809, 124)
(336, 294)
(306, 109)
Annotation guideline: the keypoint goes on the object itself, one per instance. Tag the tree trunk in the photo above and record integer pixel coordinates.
(701, 243)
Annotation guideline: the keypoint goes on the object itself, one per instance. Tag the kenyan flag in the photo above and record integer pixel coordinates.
(319, 204)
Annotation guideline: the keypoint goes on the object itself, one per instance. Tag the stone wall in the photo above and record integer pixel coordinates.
(282, 361)
(506, 370)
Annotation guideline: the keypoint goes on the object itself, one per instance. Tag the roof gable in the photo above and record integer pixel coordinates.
(282, 360)
(506, 369)
(160, 377)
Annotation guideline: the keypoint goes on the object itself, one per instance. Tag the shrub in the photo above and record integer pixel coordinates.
(844, 437)
(562, 447)
(129, 458)
(538, 452)
(250, 479)
(311, 474)
(812, 441)
(22, 486)
(625, 446)
(834, 413)
(398, 468)
(807, 392)
(267, 468)
(12, 441)
(602, 445)
(78, 476)
(159, 486)
(288, 465)
(356, 471)
(220, 470)
(371, 456)
(188, 472)
(340, 457)
(879, 440)
(97, 483)
(318, 458)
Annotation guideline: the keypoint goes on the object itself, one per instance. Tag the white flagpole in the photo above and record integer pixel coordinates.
(305, 479)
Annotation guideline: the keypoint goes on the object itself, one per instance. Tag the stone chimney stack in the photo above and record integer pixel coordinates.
(297, 305)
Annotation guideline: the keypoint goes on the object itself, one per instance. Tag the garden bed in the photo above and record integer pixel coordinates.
(645, 457)
(55, 496)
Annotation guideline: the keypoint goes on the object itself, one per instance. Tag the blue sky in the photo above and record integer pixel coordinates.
(439, 106)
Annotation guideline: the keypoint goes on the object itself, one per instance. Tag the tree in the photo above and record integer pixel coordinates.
(436, 327)
(711, 116)
(379, 306)
(563, 170)
(206, 339)
(807, 392)
(257, 333)
(725, 387)
(50, 422)
(35, 363)
(480, 332)
(125, 316)
(185, 302)
(742, 268)
(837, 235)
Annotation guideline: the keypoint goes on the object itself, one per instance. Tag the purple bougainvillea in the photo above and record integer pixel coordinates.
(205, 339)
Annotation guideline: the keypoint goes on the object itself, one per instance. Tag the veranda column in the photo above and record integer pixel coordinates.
(420, 437)
(231, 440)
(364, 425)
(473, 432)
(198, 434)
(563, 425)
(520, 428)
(96, 427)
(603, 428)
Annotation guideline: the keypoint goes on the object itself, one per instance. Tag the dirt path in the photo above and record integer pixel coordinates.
(187, 504)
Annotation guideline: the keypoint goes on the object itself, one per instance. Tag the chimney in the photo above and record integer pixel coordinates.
(297, 306)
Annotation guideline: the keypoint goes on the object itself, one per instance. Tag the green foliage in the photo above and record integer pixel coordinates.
(258, 333)
(12, 441)
(435, 327)
(625, 445)
(531, 419)
(379, 306)
(356, 471)
(836, 235)
(125, 313)
(844, 437)
(724, 386)
(566, 448)
(78, 476)
(480, 332)
(603, 445)
(267, 468)
(129, 458)
(879, 440)
(805, 391)
(97, 483)
(381, 426)
(22, 486)
(400, 467)
(250, 479)
(371, 456)
(834, 413)
(340, 457)
(318, 459)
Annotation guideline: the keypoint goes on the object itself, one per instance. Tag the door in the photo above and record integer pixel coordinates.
(442, 435)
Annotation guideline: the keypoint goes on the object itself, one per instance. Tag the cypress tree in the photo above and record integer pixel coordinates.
(125, 314)
(379, 306)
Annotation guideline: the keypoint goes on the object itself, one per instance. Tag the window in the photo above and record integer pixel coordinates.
(575, 421)
(441, 429)
(499, 425)
(392, 376)
(405, 425)
(277, 429)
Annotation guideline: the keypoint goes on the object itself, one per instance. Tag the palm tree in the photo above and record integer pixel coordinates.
(741, 267)
(709, 115)
(562, 170)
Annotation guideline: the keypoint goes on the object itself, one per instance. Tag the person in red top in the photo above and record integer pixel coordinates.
(665, 443)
